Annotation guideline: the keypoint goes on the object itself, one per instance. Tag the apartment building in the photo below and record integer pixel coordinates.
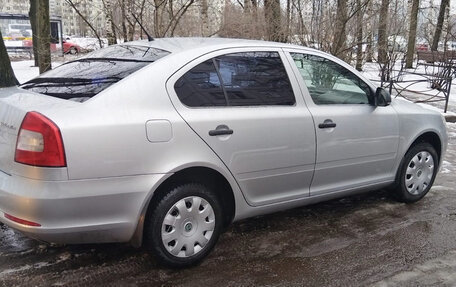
(72, 23)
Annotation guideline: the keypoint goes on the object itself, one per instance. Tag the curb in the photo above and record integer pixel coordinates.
(450, 118)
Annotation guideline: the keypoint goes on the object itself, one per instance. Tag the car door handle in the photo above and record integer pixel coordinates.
(327, 124)
(221, 130)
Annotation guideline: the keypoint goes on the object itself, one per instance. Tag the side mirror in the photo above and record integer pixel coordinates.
(382, 97)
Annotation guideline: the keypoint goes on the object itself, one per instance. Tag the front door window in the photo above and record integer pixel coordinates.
(329, 83)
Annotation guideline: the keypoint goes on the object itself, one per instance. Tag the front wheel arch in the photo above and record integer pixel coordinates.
(399, 188)
(430, 137)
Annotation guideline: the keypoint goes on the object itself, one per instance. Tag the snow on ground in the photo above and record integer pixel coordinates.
(371, 71)
(451, 130)
(416, 83)
(438, 271)
(24, 70)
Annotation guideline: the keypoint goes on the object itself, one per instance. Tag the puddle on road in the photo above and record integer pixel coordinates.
(439, 271)
(12, 242)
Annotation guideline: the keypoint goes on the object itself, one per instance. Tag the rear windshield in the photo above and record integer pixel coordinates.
(81, 79)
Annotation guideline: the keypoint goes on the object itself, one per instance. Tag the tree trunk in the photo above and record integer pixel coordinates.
(438, 27)
(339, 32)
(359, 36)
(382, 33)
(273, 20)
(124, 24)
(84, 20)
(7, 78)
(132, 30)
(253, 12)
(205, 18)
(177, 17)
(412, 34)
(287, 36)
(32, 17)
(110, 27)
(247, 6)
(158, 18)
(370, 35)
(303, 33)
(44, 36)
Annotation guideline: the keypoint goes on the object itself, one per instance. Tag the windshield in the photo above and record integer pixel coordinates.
(81, 79)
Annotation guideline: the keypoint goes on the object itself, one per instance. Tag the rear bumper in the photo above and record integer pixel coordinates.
(76, 211)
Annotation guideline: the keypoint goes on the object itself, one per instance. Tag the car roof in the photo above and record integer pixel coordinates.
(180, 44)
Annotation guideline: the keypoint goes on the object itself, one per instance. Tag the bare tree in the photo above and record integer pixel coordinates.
(243, 21)
(44, 36)
(110, 26)
(288, 23)
(7, 77)
(359, 36)
(83, 18)
(438, 27)
(167, 16)
(370, 33)
(339, 31)
(412, 34)
(124, 20)
(32, 17)
(273, 16)
(382, 33)
(205, 18)
(301, 26)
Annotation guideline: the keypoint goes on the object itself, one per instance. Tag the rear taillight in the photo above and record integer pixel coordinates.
(39, 142)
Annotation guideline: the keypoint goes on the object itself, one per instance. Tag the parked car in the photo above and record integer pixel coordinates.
(68, 47)
(422, 47)
(165, 143)
(397, 43)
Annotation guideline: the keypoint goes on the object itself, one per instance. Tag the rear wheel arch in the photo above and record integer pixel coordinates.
(206, 176)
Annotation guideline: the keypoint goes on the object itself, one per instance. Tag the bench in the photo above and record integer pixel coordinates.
(17, 49)
(435, 56)
(436, 60)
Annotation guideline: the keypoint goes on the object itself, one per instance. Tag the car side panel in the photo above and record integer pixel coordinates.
(361, 150)
(416, 121)
(272, 150)
(111, 135)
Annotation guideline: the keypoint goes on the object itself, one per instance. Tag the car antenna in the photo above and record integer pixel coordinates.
(149, 37)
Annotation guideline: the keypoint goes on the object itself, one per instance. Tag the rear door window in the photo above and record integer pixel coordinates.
(238, 79)
(200, 87)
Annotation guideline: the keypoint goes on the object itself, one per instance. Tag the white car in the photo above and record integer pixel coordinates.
(165, 143)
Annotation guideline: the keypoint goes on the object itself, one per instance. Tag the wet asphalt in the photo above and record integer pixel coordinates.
(363, 240)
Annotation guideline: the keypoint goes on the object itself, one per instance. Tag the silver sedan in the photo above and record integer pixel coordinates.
(164, 143)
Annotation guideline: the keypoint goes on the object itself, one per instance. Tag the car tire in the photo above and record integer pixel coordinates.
(177, 234)
(73, 50)
(416, 173)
